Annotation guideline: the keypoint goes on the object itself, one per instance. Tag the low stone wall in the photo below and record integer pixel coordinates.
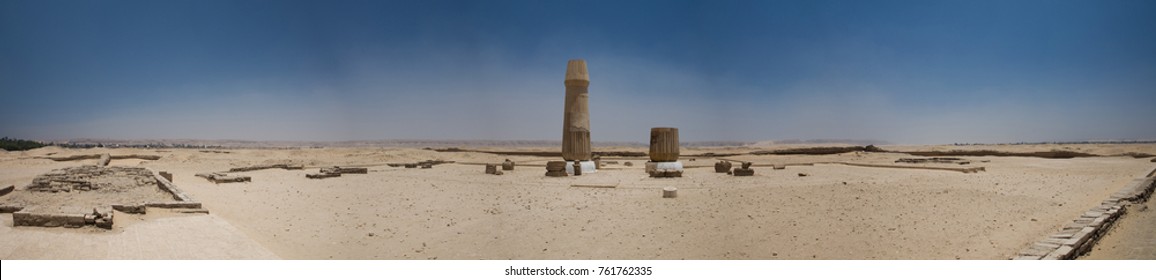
(169, 187)
(28, 219)
(1078, 236)
(36, 217)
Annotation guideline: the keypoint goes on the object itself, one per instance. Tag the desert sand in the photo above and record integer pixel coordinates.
(456, 211)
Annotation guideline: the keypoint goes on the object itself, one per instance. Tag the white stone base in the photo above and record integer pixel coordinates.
(654, 166)
(587, 167)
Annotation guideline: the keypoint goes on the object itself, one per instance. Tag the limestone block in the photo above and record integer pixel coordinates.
(174, 205)
(10, 208)
(130, 209)
(104, 160)
(669, 192)
(322, 175)
(166, 175)
(743, 172)
(1061, 253)
(722, 166)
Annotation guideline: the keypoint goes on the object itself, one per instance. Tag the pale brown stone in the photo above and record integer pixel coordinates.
(576, 114)
(663, 144)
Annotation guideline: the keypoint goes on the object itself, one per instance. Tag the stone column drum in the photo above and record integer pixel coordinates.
(663, 144)
(576, 118)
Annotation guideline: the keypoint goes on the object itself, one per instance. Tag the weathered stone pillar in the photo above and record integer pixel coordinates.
(663, 144)
(664, 153)
(576, 118)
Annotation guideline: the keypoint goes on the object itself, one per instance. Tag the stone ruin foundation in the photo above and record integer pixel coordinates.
(88, 195)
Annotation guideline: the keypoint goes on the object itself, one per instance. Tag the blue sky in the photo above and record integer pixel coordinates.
(915, 72)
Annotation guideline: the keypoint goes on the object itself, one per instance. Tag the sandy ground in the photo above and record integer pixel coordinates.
(455, 211)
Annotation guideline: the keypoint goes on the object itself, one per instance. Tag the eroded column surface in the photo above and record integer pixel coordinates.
(576, 119)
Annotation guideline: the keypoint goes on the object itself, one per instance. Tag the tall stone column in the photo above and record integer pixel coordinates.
(576, 118)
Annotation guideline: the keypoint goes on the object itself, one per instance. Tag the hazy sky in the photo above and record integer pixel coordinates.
(901, 71)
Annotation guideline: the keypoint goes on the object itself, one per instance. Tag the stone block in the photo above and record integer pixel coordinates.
(25, 218)
(1036, 251)
(173, 205)
(490, 168)
(508, 165)
(557, 173)
(7, 190)
(10, 208)
(1062, 253)
(166, 175)
(105, 223)
(666, 173)
(743, 172)
(669, 192)
(130, 209)
(1080, 237)
(722, 166)
(322, 175)
(1052, 242)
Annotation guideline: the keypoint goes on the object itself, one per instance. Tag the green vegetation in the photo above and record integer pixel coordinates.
(9, 144)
